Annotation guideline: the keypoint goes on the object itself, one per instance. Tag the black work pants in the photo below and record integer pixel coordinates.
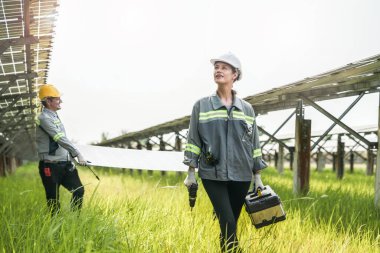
(54, 175)
(227, 199)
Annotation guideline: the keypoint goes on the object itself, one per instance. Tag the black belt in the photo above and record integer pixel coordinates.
(59, 162)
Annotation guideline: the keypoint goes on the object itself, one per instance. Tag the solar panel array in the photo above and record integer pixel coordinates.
(349, 80)
(26, 34)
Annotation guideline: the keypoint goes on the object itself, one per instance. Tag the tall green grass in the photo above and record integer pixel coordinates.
(125, 213)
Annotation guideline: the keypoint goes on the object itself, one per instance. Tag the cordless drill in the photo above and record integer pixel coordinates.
(192, 194)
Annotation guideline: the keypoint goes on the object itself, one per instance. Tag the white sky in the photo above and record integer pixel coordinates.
(129, 65)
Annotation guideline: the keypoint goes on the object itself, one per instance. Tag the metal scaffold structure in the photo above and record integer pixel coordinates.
(26, 34)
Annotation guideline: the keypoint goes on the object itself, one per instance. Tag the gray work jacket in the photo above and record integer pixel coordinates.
(52, 127)
(231, 136)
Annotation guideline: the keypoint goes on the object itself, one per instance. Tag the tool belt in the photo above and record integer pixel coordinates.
(56, 162)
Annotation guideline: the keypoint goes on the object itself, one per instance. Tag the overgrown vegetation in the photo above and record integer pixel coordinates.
(142, 213)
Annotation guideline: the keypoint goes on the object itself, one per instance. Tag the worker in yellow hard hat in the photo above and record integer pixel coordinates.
(56, 152)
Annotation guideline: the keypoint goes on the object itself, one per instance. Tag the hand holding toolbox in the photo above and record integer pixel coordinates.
(264, 207)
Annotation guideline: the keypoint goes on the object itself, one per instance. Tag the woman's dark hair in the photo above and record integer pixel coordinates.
(235, 70)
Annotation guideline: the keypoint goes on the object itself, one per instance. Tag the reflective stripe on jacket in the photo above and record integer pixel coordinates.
(230, 136)
(52, 126)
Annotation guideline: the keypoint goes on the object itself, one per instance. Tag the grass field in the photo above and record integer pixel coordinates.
(125, 213)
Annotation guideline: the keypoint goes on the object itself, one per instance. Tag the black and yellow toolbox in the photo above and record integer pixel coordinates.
(264, 207)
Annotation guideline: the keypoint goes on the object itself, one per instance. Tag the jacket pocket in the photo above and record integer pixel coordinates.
(247, 134)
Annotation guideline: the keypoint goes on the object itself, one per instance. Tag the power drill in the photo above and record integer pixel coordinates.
(192, 194)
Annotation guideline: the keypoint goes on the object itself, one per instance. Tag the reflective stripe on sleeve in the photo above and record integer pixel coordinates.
(256, 152)
(193, 149)
(58, 136)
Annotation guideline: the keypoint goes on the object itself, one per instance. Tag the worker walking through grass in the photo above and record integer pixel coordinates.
(223, 143)
(56, 152)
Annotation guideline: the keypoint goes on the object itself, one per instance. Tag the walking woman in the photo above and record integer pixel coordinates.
(223, 143)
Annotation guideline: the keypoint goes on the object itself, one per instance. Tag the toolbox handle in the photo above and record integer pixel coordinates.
(257, 194)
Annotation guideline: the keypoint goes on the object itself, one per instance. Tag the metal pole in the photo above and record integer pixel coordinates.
(377, 180)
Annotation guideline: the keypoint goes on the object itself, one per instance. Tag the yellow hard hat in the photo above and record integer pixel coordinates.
(48, 90)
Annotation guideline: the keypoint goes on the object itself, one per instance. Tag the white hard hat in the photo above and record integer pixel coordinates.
(231, 59)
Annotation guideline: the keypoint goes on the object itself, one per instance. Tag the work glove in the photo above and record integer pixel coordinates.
(257, 183)
(81, 160)
(190, 179)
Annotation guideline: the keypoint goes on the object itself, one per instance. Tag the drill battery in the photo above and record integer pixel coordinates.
(264, 208)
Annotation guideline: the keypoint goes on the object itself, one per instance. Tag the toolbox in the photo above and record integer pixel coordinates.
(264, 207)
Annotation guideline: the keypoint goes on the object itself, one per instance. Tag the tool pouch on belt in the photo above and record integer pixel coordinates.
(53, 145)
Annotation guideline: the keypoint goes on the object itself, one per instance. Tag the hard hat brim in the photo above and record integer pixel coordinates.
(213, 61)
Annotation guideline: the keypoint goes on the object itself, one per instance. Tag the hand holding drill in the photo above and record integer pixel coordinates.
(192, 186)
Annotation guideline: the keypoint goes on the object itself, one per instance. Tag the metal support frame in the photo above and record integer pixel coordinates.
(279, 128)
(184, 137)
(178, 143)
(149, 146)
(357, 142)
(12, 80)
(280, 142)
(14, 99)
(28, 52)
(162, 148)
(5, 145)
(337, 121)
(301, 174)
(321, 147)
(340, 158)
(370, 162)
(3, 129)
(340, 118)
(18, 76)
(11, 118)
(178, 147)
(352, 160)
(280, 161)
(139, 147)
(10, 122)
(377, 178)
(27, 40)
(4, 88)
(321, 161)
(13, 109)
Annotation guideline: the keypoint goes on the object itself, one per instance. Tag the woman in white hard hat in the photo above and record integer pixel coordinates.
(56, 152)
(223, 143)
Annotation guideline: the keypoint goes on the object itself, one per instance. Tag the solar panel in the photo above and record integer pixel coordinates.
(26, 35)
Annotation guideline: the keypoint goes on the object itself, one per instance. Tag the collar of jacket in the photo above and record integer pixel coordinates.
(216, 103)
(50, 111)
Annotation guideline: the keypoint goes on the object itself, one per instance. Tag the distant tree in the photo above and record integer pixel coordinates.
(104, 136)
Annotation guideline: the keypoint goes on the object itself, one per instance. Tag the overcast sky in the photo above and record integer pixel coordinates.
(127, 65)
